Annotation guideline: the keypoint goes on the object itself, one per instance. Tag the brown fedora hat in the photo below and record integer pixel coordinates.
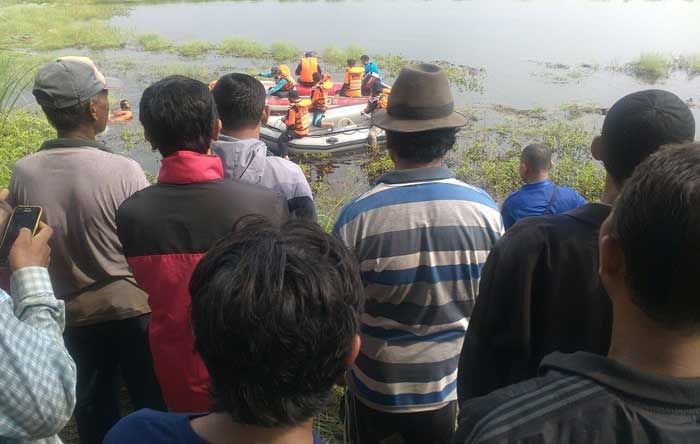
(420, 100)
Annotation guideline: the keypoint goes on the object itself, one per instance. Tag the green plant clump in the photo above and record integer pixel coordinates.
(153, 42)
(283, 52)
(338, 57)
(241, 47)
(195, 71)
(194, 48)
(21, 133)
(650, 67)
(56, 26)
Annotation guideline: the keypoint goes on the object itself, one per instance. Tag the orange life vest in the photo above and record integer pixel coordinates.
(286, 75)
(353, 80)
(384, 98)
(319, 95)
(309, 65)
(299, 119)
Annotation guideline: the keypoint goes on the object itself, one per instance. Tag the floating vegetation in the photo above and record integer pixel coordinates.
(193, 70)
(688, 63)
(560, 73)
(194, 48)
(283, 52)
(56, 26)
(338, 57)
(464, 78)
(650, 67)
(242, 47)
(153, 42)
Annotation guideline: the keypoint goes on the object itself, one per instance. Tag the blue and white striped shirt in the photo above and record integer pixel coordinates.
(421, 237)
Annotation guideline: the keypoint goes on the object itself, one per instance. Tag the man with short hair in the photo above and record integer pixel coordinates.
(80, 184)
(240, 101)
(276, 317)
(421, 237)
(648, 388)
(540, 291)
(167, 227)
(539, 195)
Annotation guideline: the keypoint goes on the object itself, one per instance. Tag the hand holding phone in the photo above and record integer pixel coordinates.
(22, 217)
(31, 251)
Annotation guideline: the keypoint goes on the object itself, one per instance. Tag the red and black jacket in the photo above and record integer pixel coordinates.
(165, 229)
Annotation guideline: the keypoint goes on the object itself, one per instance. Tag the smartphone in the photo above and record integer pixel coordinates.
(22, 217)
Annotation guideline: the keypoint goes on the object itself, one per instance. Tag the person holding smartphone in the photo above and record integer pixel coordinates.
(33, 358)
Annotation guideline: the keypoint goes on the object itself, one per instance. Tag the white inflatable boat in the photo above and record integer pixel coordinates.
(351, 131)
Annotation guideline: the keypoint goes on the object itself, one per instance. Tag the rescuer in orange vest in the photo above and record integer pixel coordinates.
(298, 122)
(352, 83)
(319, 98)
(284, 83)
(306, 69)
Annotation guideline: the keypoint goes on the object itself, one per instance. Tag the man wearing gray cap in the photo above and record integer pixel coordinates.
(80, 184)
(421, 237)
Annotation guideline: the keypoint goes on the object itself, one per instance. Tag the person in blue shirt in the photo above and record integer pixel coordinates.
(372, 75)
(284, 83)
(539, 195)
(275, 314)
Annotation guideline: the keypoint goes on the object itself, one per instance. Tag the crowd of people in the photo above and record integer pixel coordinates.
(229, 315)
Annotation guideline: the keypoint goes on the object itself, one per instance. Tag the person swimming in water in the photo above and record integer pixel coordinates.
(124, 114)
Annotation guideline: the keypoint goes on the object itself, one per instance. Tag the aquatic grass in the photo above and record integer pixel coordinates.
(194, 48)
(391, 65)
(283, 52)
(153, 42)
(15, 76)
(650, 67)
(242, 47)
(338, 57)
(198, 71)
(464, 78)
(688, 63)
(56, 26)
(22, 133)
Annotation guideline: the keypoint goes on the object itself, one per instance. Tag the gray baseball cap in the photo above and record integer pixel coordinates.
(69, 81)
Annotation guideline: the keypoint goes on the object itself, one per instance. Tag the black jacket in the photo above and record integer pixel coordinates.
(539, 293)
(585, 399)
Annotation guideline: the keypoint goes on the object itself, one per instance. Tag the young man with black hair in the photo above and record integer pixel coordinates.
(539, 195)
(421, 236)
(167, 228)
(80, 183)
(276, 317)
(540, 291)
(648, 388)
(240, 101)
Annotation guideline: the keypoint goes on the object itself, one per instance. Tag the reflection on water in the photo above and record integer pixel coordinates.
(503, 36)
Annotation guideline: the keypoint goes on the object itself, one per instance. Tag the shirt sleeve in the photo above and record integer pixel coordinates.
(301, 205)
(280, 84)
(38, 375)
(508, 219)
(497, 344)
(290, 121)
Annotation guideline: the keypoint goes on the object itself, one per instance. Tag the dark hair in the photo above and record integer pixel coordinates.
(421, 147)
(317, 76)
(178, 114)
(70, 118)
(657, 223)
(639, 124)
(240, 100)
(351, 63)
(537, 156)
(365, 58)
(275, 312)
(123, 103)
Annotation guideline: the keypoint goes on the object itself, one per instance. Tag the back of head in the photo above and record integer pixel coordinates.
(317, 76)
(294, 96)
(657, 224)
(178, 114)
(351, 63)
(537, 157)
(309, 54)
(275, 313)
(240, 101)
(364, 58)
(638, 125)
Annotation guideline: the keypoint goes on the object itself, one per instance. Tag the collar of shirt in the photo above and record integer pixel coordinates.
(540, 184)
(184, 167)
(73, 143)
(612, 374)
(416, 175)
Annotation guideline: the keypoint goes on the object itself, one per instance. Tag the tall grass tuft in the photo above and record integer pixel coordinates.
(242, 47)
(338, 57)
(15, 75)
(650, 67)
(283, 52)
(194, 48)
(153, 42)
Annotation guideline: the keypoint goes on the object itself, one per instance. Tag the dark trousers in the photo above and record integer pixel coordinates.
(99, 352)
(283, 143)
(368, 426)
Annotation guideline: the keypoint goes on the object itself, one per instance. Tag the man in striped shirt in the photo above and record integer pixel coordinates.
(421, 237)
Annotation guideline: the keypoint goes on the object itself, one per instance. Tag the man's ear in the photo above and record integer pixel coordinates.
(93, 110)
(217, 130)
(597, 148)
(354, 350)
(265, 115)
(612, 269)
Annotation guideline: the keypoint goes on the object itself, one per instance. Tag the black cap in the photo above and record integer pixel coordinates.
(294, 95)
(638, 125)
